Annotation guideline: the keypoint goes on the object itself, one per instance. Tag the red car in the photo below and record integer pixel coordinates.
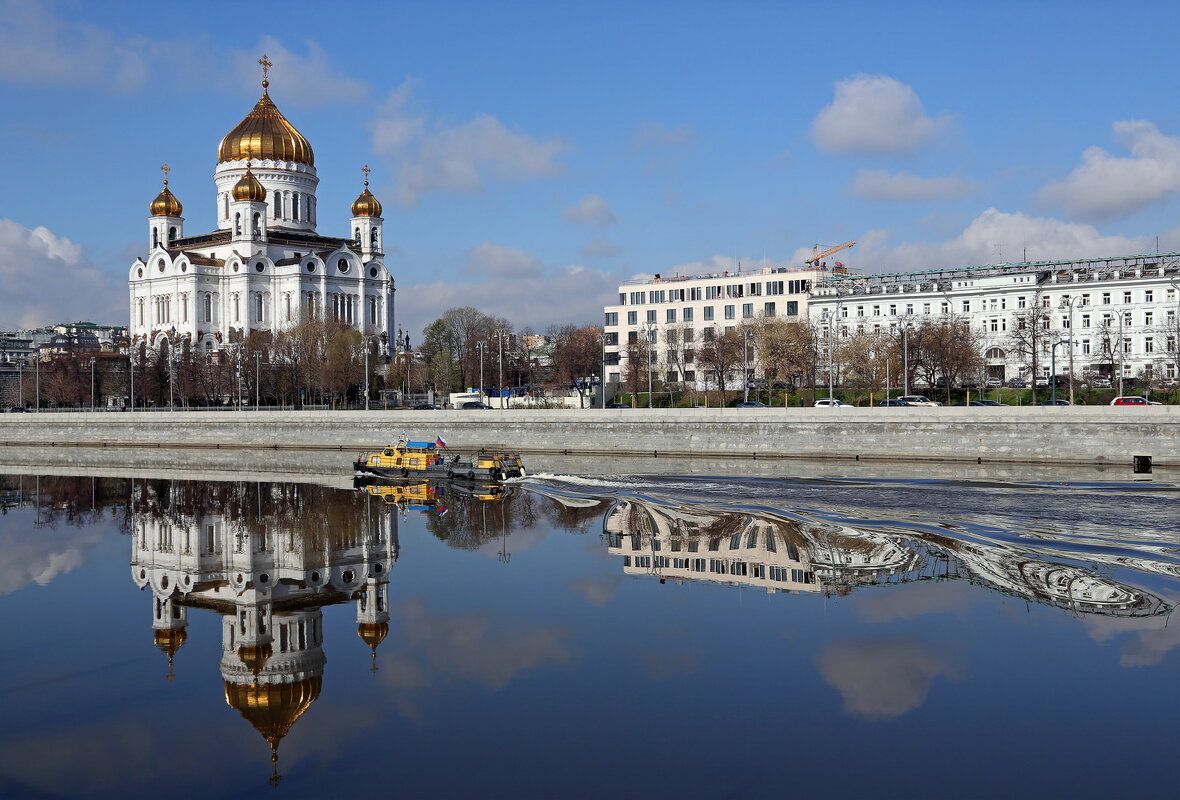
(1131, 400)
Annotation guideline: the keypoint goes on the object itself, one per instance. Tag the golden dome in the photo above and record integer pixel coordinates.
(165, 204)
(366, 205)
(248, 188)
(266, 134)
(272, 708)
(372, 633)
(255, 656)
(169, 640)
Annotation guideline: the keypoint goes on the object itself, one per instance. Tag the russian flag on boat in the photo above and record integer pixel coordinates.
(440, 442)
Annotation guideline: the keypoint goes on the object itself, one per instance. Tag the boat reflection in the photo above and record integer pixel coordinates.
(685, 542)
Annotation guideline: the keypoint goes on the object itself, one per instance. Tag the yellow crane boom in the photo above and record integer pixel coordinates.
(817, 256)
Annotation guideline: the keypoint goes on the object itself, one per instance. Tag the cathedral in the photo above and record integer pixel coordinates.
(265, 267)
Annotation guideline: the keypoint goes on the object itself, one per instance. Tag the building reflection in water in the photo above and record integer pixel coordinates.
(780, 554)
(267, 562)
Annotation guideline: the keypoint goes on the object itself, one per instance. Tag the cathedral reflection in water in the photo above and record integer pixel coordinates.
(779, 554)
(267, 561)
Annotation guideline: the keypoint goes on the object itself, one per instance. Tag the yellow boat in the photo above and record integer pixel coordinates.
(419, 460)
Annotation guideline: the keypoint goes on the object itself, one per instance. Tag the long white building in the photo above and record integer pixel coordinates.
(1112, 315)
(265, 267)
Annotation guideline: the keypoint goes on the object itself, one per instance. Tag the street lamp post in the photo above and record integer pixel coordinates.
(905, 360)
(258, 380)
(1053, 368)
(500, 384)
(829, 320)
(92, 384)
(481, 346)
(131, 367)
(365, 342)
(746, 365)
(1122, 355)
(1068, 302)
(37, 367)
(602, 378)
(649, 332)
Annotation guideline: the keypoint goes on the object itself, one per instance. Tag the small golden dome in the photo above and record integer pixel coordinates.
(366, 205)
(266, 134)
(248, 188)
(255, 656)
(165, 204)
(372, 633)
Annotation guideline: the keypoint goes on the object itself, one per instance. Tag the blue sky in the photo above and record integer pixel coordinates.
(531, 155)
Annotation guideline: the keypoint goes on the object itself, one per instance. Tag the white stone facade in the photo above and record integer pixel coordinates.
(1114, 314)
(697, 309)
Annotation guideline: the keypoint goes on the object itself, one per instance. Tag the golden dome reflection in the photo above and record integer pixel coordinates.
(255, 656)
(266, 134)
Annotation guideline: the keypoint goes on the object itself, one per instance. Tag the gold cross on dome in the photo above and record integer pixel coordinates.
(266, 65)
(365, 169)
(165, 169)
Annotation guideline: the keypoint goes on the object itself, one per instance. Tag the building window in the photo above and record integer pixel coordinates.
(708, 314)
(1106, 298)
(730, 312)
(651, 316)
(747, 310)
(1126, 297)
(792, 308)
(612, 318)
(695, 293)
(768, 309)
(632, 317)
(670, 315)
(1148, 296)
(966, 306)
(1085, 347)
(1148, 345)
(686, 315)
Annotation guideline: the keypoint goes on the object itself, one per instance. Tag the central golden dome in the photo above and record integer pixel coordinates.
(266, 134)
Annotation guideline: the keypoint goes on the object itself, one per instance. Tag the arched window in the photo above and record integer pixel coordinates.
(278, 204)
(171, 234)
(994, 352)
(237, 224)
(356, 235)
(373, 239)
(225, 205)
(155, 238)
(295, 207)
(257, 225)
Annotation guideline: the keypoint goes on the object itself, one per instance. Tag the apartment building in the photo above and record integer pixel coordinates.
(678, 315)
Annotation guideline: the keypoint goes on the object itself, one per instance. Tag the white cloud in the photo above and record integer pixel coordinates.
(882, 679)
(875, 114)
(591, 208)
(600, 248)
(458, 158)
(596, 591)
(650, 133)
(38, 48)
(499, 261)
(1105, 186)
(719, 264)
(45, 279)
(992, 237)
(876, 184)
(307, 81)
(39, 556)
(574, 294)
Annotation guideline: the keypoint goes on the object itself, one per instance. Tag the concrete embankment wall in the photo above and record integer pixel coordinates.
(1077, 434)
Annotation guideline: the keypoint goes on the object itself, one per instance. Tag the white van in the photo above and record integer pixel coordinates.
(919, 400)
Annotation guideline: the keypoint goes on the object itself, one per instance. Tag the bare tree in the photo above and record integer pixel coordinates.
(1030, 336)
(720, 356)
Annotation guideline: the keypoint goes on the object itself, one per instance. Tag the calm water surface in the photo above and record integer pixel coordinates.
(573, 637)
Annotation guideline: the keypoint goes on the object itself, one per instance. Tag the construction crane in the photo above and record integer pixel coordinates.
(817, 256)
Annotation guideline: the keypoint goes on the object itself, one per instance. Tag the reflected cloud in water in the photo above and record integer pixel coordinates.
(878, 679)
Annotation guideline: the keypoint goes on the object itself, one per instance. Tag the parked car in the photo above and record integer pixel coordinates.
(18, 410)
(474, 405)
(994, 383)
(919, 400)
(1130, 400)
(1057, 402)
(831, 402)
(617, 405)
(425, 407)
(979, 403)
(1100, 383)
(892, 402)
(751, 404)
